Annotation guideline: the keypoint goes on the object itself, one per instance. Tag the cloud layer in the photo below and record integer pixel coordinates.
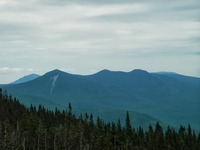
(93, 35)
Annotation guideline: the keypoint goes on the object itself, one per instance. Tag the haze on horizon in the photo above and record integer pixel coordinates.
(84, 37)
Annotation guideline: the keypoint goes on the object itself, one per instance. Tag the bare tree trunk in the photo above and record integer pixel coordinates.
(24, 144)
(38, 142)
(1, 139)
(54, 143)
(81, 139)
(13, 139)
(45, 140)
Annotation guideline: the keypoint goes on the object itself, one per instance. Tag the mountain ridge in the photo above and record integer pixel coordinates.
(26, 78)
(163, 97)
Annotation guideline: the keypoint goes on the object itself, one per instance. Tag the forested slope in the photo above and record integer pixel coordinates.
(33, 128)
(173, 100)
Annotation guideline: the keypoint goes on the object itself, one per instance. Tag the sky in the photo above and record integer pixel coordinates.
(86, 36)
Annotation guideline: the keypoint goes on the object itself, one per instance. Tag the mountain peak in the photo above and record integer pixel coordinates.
(56, 71)
(104, 71)
(139, 71)
(26, 78)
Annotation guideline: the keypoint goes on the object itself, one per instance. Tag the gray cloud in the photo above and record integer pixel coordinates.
(7, 70)
(59, 33)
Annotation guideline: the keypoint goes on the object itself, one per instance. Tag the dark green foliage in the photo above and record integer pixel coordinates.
(40, 129)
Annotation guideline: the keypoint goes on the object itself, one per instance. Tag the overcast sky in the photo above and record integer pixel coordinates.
(86, 36)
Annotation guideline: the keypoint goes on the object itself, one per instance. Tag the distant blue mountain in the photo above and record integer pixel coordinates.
(26, 79)
(171, 98)
(166, 73)
(193, 80)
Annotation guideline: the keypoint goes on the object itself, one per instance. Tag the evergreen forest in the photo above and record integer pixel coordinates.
(37, 128)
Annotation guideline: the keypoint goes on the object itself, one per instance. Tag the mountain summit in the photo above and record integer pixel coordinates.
(26, 78)
(171, 99)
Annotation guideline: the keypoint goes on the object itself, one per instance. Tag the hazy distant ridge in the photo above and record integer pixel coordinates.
(26, 78)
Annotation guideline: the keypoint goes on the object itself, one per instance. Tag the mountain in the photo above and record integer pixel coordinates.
(173, 100)
(26, 79)
(193, 80)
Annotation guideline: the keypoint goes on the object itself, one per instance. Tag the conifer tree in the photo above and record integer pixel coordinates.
(159, 138)
(150, 138)
(31, 128)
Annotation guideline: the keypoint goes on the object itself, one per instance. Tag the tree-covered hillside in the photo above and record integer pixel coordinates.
(34, 128)
(173, 100)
